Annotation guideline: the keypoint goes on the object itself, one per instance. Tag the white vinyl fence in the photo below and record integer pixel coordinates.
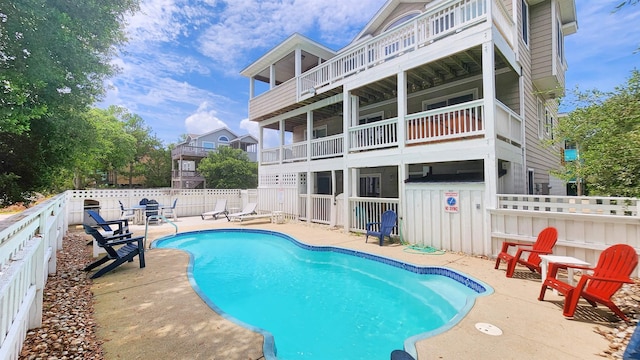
(28, 245)
(586, 225)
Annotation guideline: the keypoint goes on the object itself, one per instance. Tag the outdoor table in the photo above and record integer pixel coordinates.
(559, 259)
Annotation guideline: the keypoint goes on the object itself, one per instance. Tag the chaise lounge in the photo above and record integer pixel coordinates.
(219, 209)
(248, 210)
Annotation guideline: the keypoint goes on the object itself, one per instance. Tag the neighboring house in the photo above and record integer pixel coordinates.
(187, 155)
(432, 110)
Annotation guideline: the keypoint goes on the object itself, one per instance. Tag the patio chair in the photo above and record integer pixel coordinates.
(152, 212)
(129, 249)
(128, 214)
(543, 246)
(615, 265)
(219, 209)
(249, 209)
(170, 211)
(382, 228)
(123, 224)
(401, 355)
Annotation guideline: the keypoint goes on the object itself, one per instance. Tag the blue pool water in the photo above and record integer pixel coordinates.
(322, 302)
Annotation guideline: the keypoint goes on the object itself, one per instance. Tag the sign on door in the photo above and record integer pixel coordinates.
(451, 203)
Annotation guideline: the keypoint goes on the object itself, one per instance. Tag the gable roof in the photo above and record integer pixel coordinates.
(380, 17)
(283, 49)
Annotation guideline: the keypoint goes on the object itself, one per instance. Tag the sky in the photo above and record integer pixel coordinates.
(180, 70)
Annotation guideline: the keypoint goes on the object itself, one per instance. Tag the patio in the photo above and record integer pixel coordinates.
(153, 312)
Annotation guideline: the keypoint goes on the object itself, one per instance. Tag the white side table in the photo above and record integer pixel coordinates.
(546, 259)
(277, 217)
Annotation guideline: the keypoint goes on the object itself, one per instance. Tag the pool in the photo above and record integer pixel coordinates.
(322, 302)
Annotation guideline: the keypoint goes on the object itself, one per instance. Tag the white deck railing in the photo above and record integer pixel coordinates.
(321, 207)
(365, 209)
(329, 146)
(447, 18)
(374, 135)
(28, 245)
(295, 152)
(451, 122)
(508, 124)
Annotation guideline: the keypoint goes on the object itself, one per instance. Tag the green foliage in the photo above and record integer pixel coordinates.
(157, 169)
(229, 168)
(54, 57)
(605, 127)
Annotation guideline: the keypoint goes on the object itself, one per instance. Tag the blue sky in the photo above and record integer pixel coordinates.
(180, 69)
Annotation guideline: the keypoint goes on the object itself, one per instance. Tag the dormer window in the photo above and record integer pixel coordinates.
(401, 20)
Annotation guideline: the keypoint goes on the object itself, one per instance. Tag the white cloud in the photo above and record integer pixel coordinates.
(248, 25)
(203, 120)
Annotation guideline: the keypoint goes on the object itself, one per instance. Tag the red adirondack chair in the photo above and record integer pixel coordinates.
(615, 264)
(544, 245)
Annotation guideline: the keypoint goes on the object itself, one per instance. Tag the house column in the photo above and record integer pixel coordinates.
(347, 109)
(334, 209)
(281, 147)
(260, 143)
(402, 108)
(309, 133)
(490, 160)
(252, 87)
(298, 57)
(310, 187)
(272, 76)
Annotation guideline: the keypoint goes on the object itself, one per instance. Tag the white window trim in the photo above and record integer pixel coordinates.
(472, 92)
(526, 40)
(541, 108)
(223, 141)
(204, 143)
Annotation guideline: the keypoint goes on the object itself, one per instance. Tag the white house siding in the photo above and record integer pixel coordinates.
(425, 221)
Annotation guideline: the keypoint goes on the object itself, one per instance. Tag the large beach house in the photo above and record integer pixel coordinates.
(432, 110)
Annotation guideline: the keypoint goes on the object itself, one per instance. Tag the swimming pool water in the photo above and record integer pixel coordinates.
(317, 304)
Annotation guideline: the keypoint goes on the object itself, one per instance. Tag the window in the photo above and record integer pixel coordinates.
(223, 139)
(548, 124)
(370, 118)
(545, 122)
(541, 120)
(560, 42)
(369, 185)
(208, 145)
(401, 20)
(318, 132)
(449, 100)
(525, 22)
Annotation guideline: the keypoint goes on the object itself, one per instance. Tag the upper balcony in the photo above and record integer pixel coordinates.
(452, 123)
(434, 25)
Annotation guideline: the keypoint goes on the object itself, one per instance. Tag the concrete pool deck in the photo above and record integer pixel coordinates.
(153, 313)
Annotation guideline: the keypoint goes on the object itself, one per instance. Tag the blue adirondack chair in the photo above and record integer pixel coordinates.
(382, 228)
(120, 249)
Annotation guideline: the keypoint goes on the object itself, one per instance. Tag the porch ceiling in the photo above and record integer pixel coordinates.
(456, 67)
(318, 114)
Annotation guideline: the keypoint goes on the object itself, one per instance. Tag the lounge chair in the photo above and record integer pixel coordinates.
(615, 265)
(170, 211)
(382, 228)
(249, 209)
(126, 213)
(543, 246)
(123, 224)
(219, 209)
(131, 247)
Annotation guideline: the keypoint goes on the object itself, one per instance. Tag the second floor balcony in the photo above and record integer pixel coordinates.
(452, 123)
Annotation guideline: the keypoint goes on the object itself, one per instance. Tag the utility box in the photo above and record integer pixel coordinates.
(90, 204)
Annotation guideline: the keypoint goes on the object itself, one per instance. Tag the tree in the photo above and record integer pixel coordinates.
(229, 168)
(54, 56)
(157, 169)
(605, 128)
